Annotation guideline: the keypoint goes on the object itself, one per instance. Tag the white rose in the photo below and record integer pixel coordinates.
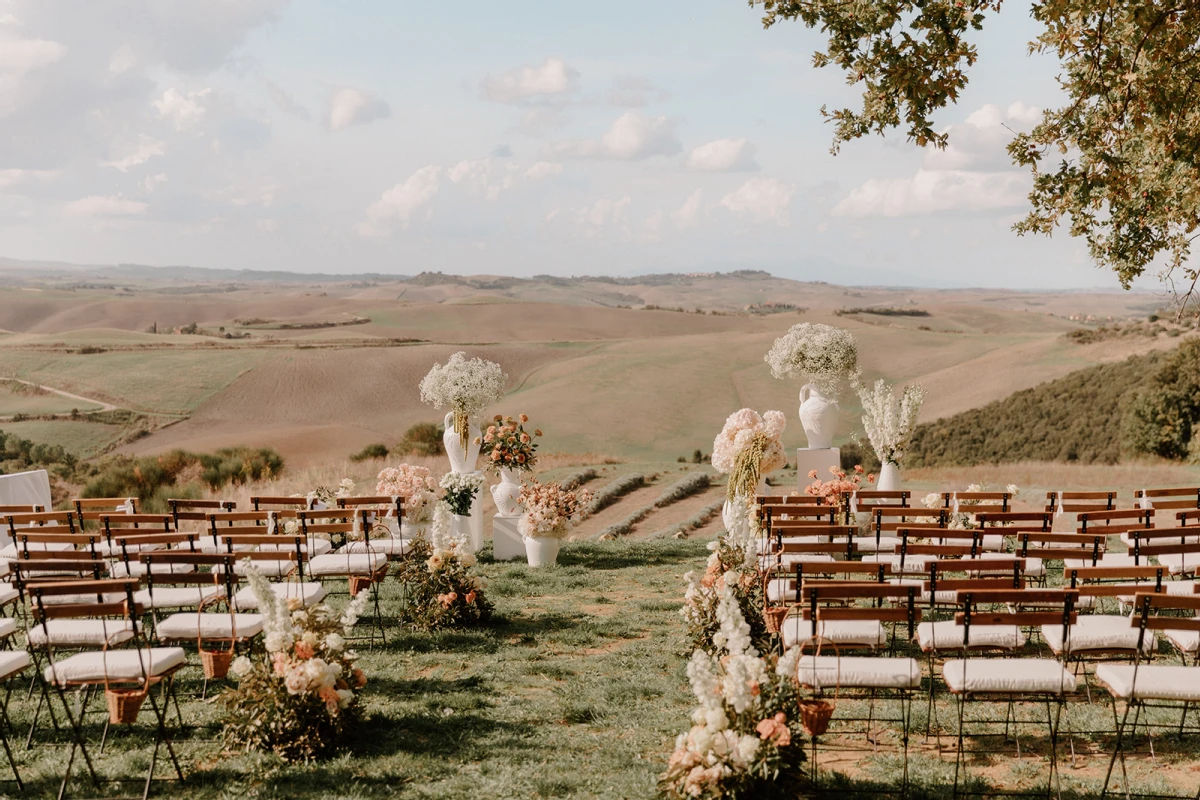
(334, 642)
(466, 559)
(318, 673)
(278, 641)
(746, 748)
(344, 697)
(720, 744)
(241, 666)
(295, 681)
(716, 720)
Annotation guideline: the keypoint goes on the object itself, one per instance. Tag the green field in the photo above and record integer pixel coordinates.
(17, 398)
(78, 437)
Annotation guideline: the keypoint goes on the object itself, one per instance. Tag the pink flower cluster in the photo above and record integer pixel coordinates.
(414, 483)
(836, 491)
(549, 508)
(740, 428)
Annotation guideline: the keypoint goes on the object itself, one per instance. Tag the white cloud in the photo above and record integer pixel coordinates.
(152, 182)
(724, 155)
(123, 60)
(183, 111)
(688, 213)
(632, 137)
(527, 84)
(10, 178)
(147, 147)
(934, 191)
(266, 225)
(762, 199)
(543, 169)
(484, 177)
(350, 106)
(603, 215)
(981, 141)
(401, 201)
(96, 205)
(19, 56)
(285, 102)
(537, 122)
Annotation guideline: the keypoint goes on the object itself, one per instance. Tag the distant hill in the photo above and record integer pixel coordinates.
(1075, 418)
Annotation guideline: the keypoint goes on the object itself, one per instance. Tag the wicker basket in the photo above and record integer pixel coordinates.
(124, 705)
(216, 663)
(360, 583)
(774, 616)
(816, 712)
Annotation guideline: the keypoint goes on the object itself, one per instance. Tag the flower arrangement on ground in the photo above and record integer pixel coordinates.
(836, 491)
(461, 490)
(464, 385)
(965, 520)
(748, 447)
(888, 420)
(732, 565)
(442, 590)
(550, 509)
(328, 495)
(821, 354)
(300, 698)
(413, 483)
(507, 445)
(745, 739)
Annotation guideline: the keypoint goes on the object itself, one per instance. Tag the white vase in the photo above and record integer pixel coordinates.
(819, 416)
(460, 526)
(462, 459)
(542, 551)
(889, 478)
(507, 492)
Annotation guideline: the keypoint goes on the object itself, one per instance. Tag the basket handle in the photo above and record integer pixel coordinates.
(837, 689)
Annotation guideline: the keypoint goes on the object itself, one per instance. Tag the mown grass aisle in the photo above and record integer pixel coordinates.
(576, 689)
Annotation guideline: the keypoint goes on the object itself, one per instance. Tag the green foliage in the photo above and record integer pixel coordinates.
(422, 439)
(1119, 160)
(19, 455)
(855, 453)
(1074, 418)
(152, 479)
(1161, 418)
(239, 465)
(442, 593)
(376, 450)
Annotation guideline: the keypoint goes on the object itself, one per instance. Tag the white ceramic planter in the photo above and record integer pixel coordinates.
(542, 551)
(462, 460)
(507, 492)
(460, 525)
(819, 416)
(889, 478)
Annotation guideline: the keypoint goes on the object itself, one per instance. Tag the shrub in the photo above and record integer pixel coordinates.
(683, 488)
(376, 450)
(855, 453)
(422, 439)
(1160, 419)
(577, 479)
(615, 491)
(153, 479)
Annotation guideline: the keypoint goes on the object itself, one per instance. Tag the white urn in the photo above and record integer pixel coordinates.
(819, 416)
(507, 493)
(462, 458)
(889, 477)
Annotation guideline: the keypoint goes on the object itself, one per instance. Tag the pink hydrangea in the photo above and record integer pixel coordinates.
(740, 428)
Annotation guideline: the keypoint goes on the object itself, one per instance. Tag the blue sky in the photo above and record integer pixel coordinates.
(502, 138)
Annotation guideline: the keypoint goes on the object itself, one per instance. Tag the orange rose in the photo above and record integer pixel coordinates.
(303, 650)
(471, 597)
(524, 418)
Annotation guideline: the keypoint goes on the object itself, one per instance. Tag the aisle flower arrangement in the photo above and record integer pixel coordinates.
(460, 490)
(464, 385)
(415, 484)
(748, 447)
(443, 592)
(550, 509)
(299, 698)
(889, 420)
(965, 520)
(328, 495)
(823, 355)
(507, 445)
(733, 566)
(745, 739)
(837, 490)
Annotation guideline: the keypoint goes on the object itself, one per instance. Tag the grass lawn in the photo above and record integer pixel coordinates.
(80, 437)
(576, 690)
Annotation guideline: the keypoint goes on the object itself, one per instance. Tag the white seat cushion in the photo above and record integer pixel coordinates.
(347, 564)
(1007, 675)
(187, 626)
(390, 547)
(7, 594)
(867, 543)
(913, 565)
(12, 662)
(1188, 642)
(856, 672)
(7, 627)
(69, 599)
(1127, 538)
(1154, 682)
(1172, 588)
(81, 633)
(1180, 563)
(136, 569)
(309, 593)
(1097, 632)
(120, 665)
(106, 548)
(1106, 560)
(781, 590)
(854, 632)
(1034, 567)
(314, 546)
(803, 539)
(790, 560)
(268, 569)
(177, 596)
(943, 596)
(946, 635)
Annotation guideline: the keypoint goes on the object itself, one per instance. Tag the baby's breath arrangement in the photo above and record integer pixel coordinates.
(888, 420)
(465, 386)
(821, 354)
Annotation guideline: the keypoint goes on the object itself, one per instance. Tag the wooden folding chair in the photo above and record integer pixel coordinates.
(887, 520)
(12, 664)
(283, 562)
(1185, 497)
(799, 626)
(264, 502)
(89, 509)
(1178, 549)
(1142, 686)
(967, 502)
(1119, 522)
(1010, 679)
(1074, 502)
(363, 571)
(123, 525)
(127, 676)
(197, 510)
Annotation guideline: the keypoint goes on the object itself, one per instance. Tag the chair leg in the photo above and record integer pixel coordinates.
(78, 744)
(906, 714)
(958, 757)
(1118, 748)
(162, 738)
(1055, 779)
(5, 727)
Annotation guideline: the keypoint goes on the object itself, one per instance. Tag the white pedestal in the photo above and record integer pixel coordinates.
(477, 522)
(820, 459)
(507, 542)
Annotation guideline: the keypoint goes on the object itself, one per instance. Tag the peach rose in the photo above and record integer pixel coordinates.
(303, 650)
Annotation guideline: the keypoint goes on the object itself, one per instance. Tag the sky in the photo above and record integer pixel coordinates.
(515, 138)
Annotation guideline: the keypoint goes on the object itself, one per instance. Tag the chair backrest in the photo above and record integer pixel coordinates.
(54, 521)
(1116, 521)
(972, 500)
(1053, 606)
(866, 499)
(20, 509)
(939, 582)
(1164, 541)
(819, 571)
(1101, 581)
(287, 547)
(1016, 521)
(124, 524)
(1061, 546)
(839, 548)
(54, 566)
(263, 502)
(1183, 497)
(845, 593)
(891, 518)
(1189, 518)
(394, 505)
(774, 514)
(1073, 502)
(90, 508)
(1143, 620)
(195, 577)
(114, 600)
(27, 541)
(197, 510)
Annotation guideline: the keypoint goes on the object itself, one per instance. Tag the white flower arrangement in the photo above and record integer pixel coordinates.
(465, 386)
(962, 520)
(550, 509)
(889, 421)
(461, 490)
(822, 354)
(748, 447)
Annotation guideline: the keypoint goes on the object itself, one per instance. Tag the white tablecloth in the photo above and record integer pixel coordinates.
(23, 488)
